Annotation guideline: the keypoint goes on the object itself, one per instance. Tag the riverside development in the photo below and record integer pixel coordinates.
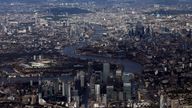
(95, 54)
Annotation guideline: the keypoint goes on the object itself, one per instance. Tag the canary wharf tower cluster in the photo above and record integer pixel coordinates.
(95, 54)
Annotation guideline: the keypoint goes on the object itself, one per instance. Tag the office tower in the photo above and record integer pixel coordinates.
(106, 71)
(127, 91)
(174, 103)
(56, 86)
(148, 31)
(63, 88)
(75, 97)
(5, 29)
(33, 99)
(31, 82)
(39, 89)
(190, 65)
(127, 86)
(139, 30)
(66, 90)
(29, 29)
(131, 32)
(40, 98)
(104, 99)
(36, 18)
(118, 85)
(120, 96)
(40, 57)
(82, 79)
(39, 95)
(110, 93)
(48, 88)
(118, 73)
(189, 34)
(162, 103)
(69, 92)
(97, 91)
(134, 90)
(89, 67)
(34, 57)
(60, 86)
(139, 95)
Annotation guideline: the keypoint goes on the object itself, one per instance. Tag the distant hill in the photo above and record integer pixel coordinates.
(62, 10)
(25, 1)
(100, 1)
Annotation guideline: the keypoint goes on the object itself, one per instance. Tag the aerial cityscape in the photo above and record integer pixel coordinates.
(95, 53)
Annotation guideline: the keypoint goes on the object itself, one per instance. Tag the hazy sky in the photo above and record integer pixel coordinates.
(94, 0)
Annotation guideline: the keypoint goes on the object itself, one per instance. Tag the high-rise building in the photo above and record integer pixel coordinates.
(131, 32)
(148, 31)
(127, 86)
(76, 97)
(134, 90)
(56, 87)
(104, 99)
(69, 92)
(139, 30)
(120, 96)
(189, 34)
(89, 67)
(33, 99)
(63, 88)
(162, 101)
(106, 71)
(111, 93)
(118, 73)
(31, 82)
(34, 57)
(97, 91)
(174, 103)
(82, 78)
(127, 91)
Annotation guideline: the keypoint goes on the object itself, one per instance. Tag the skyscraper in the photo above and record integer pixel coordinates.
(162, 103)
(97, 91)
(127, 86)
(106, 71)
(139, 30)
(82, 78)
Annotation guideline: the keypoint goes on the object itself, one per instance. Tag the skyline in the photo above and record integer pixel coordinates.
(95, 54)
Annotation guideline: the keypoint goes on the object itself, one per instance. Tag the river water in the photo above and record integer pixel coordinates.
(70, 51)
(129, 66)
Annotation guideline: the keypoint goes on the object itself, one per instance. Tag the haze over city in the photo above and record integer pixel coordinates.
(95, 54)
